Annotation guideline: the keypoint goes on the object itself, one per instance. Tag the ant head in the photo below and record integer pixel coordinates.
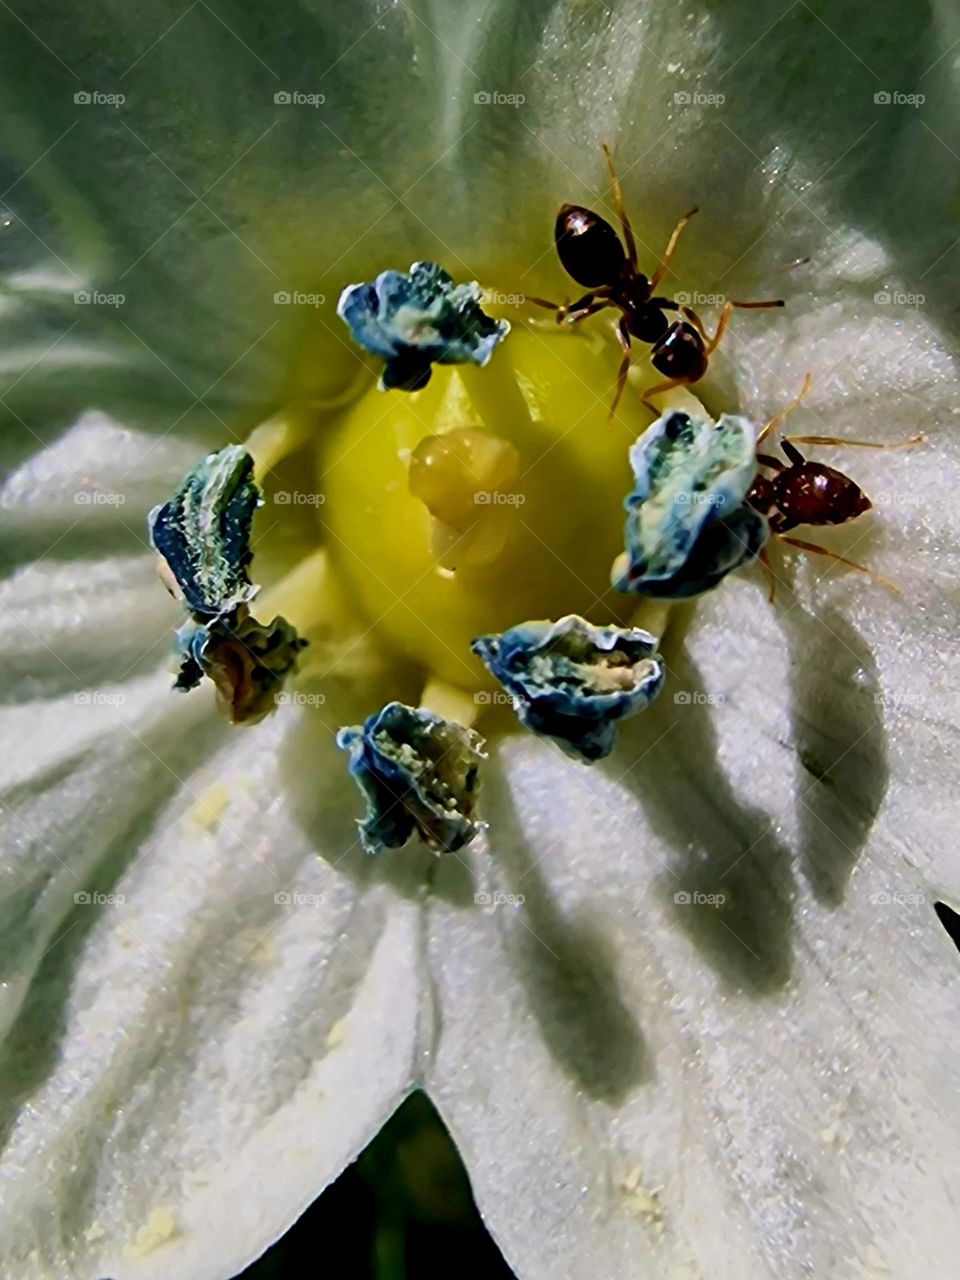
(588, 247)
(680, 353)
(761, 496)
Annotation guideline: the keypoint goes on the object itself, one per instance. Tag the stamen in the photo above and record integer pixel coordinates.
(203, 532)
(419, 774)
(246, 661)
(687, 526)
(450, 703)
(203, 537)
(415, 320)
(574, 682)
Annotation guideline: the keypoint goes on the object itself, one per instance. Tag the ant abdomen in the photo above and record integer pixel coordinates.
(815, 494)
(588, 247)
(680, 353)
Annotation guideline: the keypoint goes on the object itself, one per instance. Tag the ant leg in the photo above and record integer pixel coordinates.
(573, 311)
(764, 561)
(725, 314)
(695, 320)
(856, 444)
(784, 413)
(558, 308)
(623, 334)
(765, 460)
(671, 245)
(593, 301)
(574, 314)
(620, 208)
(851, 564)
(662, 386)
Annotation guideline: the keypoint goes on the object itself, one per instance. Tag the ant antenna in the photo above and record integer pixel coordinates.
(855, 444)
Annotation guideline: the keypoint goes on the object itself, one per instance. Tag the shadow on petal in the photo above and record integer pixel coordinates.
(715, 844)
(840, 743)
(567, 967)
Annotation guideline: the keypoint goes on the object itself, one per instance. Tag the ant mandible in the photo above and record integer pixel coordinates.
(802, 492)
(591, 253)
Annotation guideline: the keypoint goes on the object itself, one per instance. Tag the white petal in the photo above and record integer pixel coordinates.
(756, 1090)
(198, 1046)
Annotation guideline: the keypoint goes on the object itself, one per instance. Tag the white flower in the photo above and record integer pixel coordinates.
(718, 1036)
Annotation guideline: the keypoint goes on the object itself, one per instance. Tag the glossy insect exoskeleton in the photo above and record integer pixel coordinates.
(592, 253)
(803, 492)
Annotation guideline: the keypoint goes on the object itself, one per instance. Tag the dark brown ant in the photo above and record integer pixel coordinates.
(590, 251)
(802, 492)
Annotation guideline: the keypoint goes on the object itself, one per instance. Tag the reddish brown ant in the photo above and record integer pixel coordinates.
(802, 492)
(591, 253)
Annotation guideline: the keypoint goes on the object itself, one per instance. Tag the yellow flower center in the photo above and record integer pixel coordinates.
(491, 497)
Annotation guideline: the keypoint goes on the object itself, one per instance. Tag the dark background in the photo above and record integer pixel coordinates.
(404, 1211)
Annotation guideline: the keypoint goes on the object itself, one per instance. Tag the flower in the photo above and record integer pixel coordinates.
(642, 1083)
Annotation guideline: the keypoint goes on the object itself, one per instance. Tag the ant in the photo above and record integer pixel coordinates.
(591, 253)
(802, 492)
